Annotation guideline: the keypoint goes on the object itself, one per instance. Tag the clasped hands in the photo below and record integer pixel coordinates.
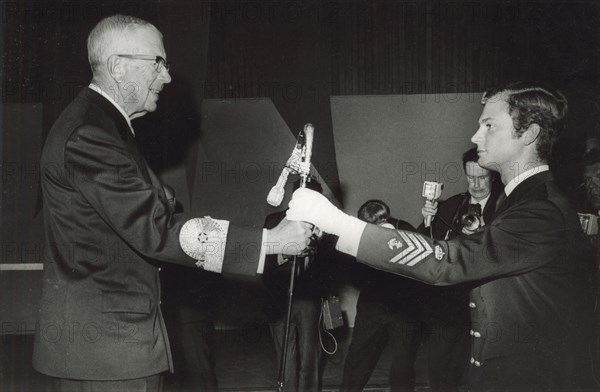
(309, 214)
(312, 207)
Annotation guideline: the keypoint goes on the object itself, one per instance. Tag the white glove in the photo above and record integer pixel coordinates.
(312, 207)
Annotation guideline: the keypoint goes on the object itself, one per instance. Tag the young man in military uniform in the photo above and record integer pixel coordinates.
(531, 310)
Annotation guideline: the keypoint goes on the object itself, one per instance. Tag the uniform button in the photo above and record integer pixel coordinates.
(472, 360)
(471, 332)
(477, 363)
(477, 334)
(160, 302)
(159, 269)
(472, 305)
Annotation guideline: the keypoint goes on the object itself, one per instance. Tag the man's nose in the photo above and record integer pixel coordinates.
(165, 76)
(477, 137)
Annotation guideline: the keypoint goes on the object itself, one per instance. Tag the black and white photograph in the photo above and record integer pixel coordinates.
(300, 195)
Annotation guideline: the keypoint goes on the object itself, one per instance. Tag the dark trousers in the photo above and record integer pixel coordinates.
(445, 323)
(192, 334)
(146, 384)
(373, 330)
(189, 316)
(378, 325)
(521, 372)
(303, 352)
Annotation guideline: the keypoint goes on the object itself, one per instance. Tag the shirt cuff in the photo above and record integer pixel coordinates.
(263, 253)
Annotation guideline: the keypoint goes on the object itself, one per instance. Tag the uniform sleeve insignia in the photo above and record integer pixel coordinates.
(439, 252)
(203, 239)
(394, 243)
(417, 248)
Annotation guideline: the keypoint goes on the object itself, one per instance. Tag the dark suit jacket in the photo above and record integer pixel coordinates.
(106, 220)
(533, 266)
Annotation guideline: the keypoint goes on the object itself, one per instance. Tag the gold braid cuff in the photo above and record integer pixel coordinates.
(204, 239)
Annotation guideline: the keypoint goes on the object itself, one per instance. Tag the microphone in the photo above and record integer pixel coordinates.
(299, 162)
(275, 196)
(431, 191)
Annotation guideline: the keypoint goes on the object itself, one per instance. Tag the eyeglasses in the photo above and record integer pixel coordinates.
(479, 178)
(159, 62)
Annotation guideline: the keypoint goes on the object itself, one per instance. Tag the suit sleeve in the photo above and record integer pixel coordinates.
(516, 242)
(106, 174)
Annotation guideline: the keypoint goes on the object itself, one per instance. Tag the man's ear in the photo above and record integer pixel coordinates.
(531, 134)
(116, 68)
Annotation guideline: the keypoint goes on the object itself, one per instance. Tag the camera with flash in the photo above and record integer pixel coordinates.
(471, 220)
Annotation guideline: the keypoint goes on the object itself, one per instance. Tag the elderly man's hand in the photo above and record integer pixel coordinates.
(289, 238)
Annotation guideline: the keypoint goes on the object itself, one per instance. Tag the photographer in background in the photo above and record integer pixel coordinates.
(591, 175)
(476, 206)
(444, 311)
(589, 223)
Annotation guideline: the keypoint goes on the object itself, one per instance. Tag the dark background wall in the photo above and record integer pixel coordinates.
(300, 52)
(297, 53)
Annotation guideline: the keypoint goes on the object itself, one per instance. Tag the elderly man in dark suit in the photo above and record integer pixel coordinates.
(107, 220)
(531, 311)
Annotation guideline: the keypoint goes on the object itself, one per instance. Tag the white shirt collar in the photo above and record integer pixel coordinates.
(512, 184)
(97, 89)
(481, 202)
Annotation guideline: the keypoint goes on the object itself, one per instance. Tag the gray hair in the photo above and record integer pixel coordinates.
(108, 36)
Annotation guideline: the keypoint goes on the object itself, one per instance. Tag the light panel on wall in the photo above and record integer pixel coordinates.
(386, 146)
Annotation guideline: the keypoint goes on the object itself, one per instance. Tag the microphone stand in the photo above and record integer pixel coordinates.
(286, 334)
(307, 138)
